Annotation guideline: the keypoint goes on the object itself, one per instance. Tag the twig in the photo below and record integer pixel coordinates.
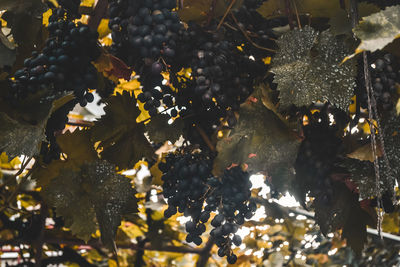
(249, 39)
(205, 138)
(289, 14)
(226, 13)
(23, 180)
(212, 11)
(297, 13)
(205, 253)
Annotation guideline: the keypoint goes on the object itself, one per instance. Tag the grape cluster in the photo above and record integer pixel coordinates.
(189, 184)
(231, 197)
(185, 186)
(155, 93)
(55, 124)
(143, 29)
(385, 73)
(222, 76)
(64, 63)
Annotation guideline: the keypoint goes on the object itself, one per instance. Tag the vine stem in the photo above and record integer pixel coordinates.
(371, 99)
(248, 38)
(226, 14)
(297, 14)
(212, 11)
(205, 138)
(289, 14)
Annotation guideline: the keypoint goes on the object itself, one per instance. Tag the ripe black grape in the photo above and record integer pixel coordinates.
(64, 64)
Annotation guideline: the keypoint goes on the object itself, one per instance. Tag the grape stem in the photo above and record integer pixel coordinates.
(205, 138)
(249, 39)
(226, 14)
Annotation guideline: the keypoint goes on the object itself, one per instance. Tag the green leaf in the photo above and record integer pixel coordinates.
(343, 211)
(341, 22)
(7, 54)
(197, 10)
(72, 202)
(316, 8)
(27, 30)
(96, 191)
(112, 196)
(17, 138)
(363, 174)
(379, 29)
(265, 142)
(121, 138)
(391, 137)
(160, 131)
(21, 5)
(307, 69)
(79, 150)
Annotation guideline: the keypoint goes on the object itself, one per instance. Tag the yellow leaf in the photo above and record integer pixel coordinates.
(106, 41)
(133, 85)
(156, 173)
(87, 3)
(391, 223)
(5, 164)
(398, 107)
(267, 60)
(139, 164)
(46, 16)
(365, 127)
(103, 29)
(131, 230)
(112, 263)
(352, 107)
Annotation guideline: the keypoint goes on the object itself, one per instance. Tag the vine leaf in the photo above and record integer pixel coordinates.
(198, 10)
(363, 174)
(307, 69)
(316, 8)
(112, 67)
(160, 130)
(66, 194)
(391, 137)
(79, 150)
(121, 138)
(379, 29)
(343, 211)
(7, 53)
(22, 125)
(341, 22)
(20, 138)
(112, 196)
(265, 142)
(94, 194)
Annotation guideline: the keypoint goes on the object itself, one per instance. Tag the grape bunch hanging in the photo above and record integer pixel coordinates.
(143, 32)
(64, 64)
(143, 29)
(191, 189)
